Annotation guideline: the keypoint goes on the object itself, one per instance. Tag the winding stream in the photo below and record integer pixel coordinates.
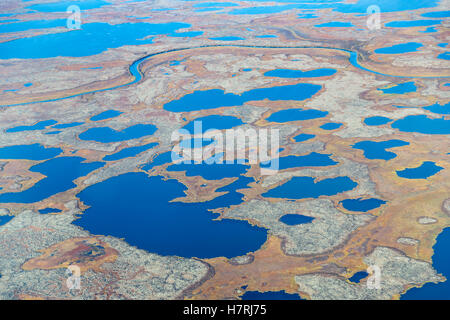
(135, 67)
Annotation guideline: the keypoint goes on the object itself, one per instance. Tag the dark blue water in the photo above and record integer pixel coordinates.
(62, 6)
(266, 36)
(441, 262)
(362, 205)
(230, 38)
(38, 126)
(270, 295)
(412, 23)
(307, 187)
(296, 115)
(216, 98)
(401, 88)
(29, 152)
(31, 25)
(377, 150)
(107, 135)
(311, 160)
(423, 124)
(60, 174)
(334, 24)
(67, 125)
(331, 126)
(429, 30)
(129, 152)
(303, 137)
(108, 114)
(61, 44)
(137, 207)
(358, 276)
(290, 73)
(437, 14)
(424, 171)
(49, 210)
(444, 56)
(439, 108)
(295, 219)
(376, 121)
(356, 7)
(5, 219)
(212, 122)
(400, 48)
(215, 4)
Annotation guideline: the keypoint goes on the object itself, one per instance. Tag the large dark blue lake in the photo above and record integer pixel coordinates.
(139, 208)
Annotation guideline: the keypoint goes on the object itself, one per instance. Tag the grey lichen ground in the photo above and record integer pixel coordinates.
(396, 272)
(135, 274)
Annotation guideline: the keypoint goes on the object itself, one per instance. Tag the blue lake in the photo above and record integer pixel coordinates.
(422, 124)
(62, 6)
(61, 44)
(290, 73)
(108, 114)
(266, 36)
(212, 122)
(307, 187)
(444, 56)
(138, 208)
(359, 6)
(31, 25)
(400, 48)
(49, 210)
(230, 38)
(331, 126)
(437, 14)
(29, 152)
(376, 121)
(270, 295)
(441, 262)
(41, 125)
(377, 150)
(129, 152)
(334, 24)
(362, 205)
(215, 4)
(439, 108)
(60, 174)
(5, 220)
(107, 135)
(311, 160)
(295, 219)
(424, 171)
(358, 276)
(412, 23)
(216, 98)
(296, 115)
(302, 137)
(401, 88)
